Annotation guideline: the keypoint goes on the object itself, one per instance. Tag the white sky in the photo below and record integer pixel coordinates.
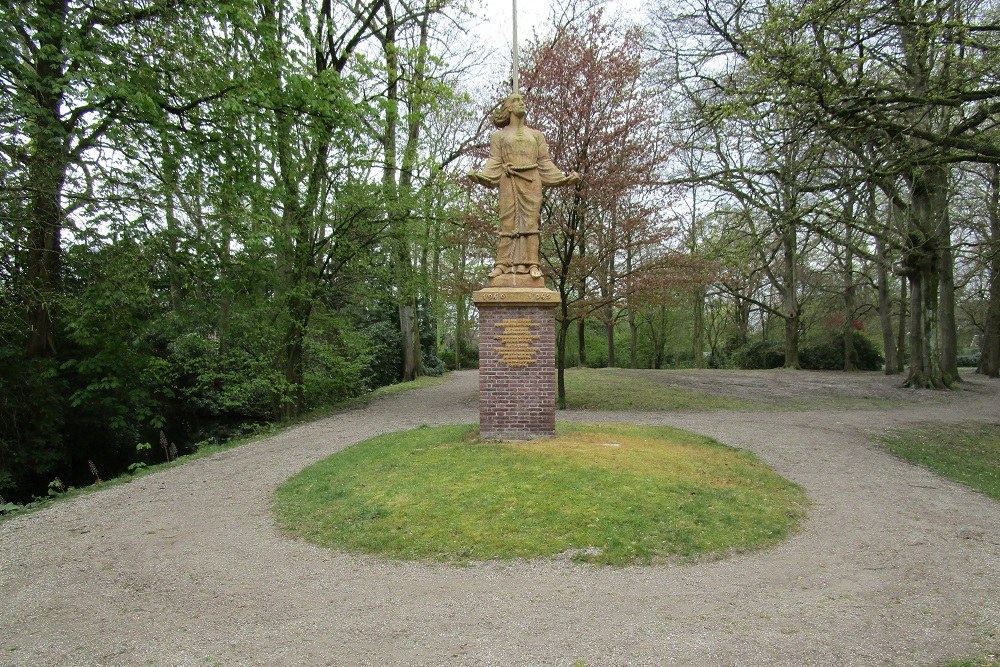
(530, 14)
(495, 29)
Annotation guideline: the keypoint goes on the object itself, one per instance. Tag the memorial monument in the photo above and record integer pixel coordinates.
(516, 312)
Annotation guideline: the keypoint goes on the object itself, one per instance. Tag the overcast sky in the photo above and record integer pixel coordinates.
(496, 27)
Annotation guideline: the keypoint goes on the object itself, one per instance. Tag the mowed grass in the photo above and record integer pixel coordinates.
(968, 454)
(612, 495)
(609, 389)
(982, 661)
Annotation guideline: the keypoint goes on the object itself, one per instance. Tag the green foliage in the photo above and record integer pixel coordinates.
(759, 355)
(970, 360)
(968, 454)
(56, 487)
(337, 358)
(32, 445)
(825, 355)
(828, 354)
(441, 494)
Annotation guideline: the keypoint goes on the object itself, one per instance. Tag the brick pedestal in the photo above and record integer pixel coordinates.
(517, 362)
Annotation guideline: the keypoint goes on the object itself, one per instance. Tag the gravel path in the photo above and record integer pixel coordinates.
(894, 565)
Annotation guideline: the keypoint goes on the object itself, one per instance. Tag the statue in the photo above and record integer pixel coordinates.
(519, 165)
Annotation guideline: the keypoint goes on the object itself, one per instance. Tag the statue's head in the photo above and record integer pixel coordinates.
(510, 106)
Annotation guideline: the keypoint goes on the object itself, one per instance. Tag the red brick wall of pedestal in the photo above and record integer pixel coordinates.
(517, 353)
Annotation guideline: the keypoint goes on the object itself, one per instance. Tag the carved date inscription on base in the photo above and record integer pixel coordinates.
(517, 342)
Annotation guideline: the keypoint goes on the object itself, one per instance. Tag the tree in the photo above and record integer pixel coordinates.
(918, 78)
(585, 92)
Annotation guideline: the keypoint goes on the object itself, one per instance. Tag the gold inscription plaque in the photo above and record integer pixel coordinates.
(516, 342)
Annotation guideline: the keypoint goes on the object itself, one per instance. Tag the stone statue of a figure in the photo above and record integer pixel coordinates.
(519, 164)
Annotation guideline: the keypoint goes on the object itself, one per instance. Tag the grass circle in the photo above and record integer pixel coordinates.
(607, 494)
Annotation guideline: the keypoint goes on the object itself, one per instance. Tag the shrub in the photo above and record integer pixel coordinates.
(759, 355)
(970, 360)
(828, 354)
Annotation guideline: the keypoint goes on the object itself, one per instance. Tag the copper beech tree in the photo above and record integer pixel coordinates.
(585, 90)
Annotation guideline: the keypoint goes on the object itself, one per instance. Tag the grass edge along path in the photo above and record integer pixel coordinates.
(965, 453)
(613, 495)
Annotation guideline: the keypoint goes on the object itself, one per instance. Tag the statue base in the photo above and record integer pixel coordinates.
(517, 280)
(517, 380)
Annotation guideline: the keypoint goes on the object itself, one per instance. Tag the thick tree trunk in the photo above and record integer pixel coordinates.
(884, 307)
(171, 178)
(609, 329)
(699, 327)
(922, 266)
(742, 334)
(850, 351)
(410, 331)
(946, 307)
(904, 318)
(790, 299)
(48, 162)
(989, 363)
(850, 298)
(397, 195)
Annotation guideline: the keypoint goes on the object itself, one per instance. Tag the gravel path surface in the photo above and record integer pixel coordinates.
(894, 565)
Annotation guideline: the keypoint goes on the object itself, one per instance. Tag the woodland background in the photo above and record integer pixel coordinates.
(220, 214)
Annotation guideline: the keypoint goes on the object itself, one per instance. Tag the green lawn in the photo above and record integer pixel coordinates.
(983, 661)
(611, 389)
(969, 454)
(609, 494)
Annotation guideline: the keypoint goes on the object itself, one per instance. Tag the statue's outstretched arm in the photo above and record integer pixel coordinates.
(490, 175)
(552, 176)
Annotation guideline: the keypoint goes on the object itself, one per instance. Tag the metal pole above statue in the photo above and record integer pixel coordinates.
(516, 311)
(515, 82)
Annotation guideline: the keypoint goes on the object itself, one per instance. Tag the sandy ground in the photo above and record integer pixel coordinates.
(893, 566)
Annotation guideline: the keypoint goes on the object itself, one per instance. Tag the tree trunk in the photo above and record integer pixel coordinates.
(946, 308)
(399, 203)
(299, 310)
(171, 177)
(699, 327)
(658, 336)
(459, 329)
(409, 329)
(790, 300)
(922, 266)
(48, 162)
(989, 363)
(901, 336)
(562, 334)
(633, 339)
(884, 308)
(609, 328)
(850, 352)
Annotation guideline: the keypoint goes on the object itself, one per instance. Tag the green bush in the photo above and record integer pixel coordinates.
(828, 354)
(970, 360)
(759, 355)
